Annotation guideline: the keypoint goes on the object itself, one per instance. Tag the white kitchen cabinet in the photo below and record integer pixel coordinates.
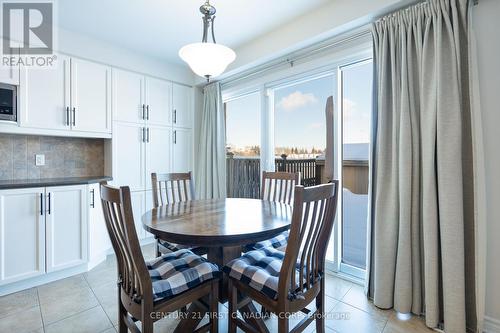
(129, 151)
(182, 106)
(158, 154)
(99, 242)
(73, 96)
(128, 96)
(158, 101)
(182, 150)
(138, 200)
(90, 96)
(22, 234)
(9, 74)
(45, 96)
(66, 226)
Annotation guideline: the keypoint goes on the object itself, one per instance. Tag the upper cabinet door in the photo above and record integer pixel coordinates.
(182, 108)
(129, 155)
(90, 96)
(45, 96)
(158, 101)
(128, 96)
(9, 75)
(182, 150)
(66, 226)
(22, 234)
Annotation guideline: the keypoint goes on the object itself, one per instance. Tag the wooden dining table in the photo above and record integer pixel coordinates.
(224, 227)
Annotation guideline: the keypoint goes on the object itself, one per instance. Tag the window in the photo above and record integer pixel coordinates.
(356, 92)
(243, 126)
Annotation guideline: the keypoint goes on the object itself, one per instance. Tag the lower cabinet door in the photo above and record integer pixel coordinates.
(66, 226)
(22, 234)
(99, 240)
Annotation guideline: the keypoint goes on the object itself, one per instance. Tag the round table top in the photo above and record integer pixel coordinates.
(218, 222)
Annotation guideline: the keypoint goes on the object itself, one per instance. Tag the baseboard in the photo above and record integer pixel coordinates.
(491, 325)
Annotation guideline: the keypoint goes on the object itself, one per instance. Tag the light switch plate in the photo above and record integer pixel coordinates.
(40, 160)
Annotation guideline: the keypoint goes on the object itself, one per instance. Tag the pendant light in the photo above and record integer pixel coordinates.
(207, 59)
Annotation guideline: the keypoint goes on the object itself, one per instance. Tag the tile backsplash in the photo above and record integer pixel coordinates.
(64, 157)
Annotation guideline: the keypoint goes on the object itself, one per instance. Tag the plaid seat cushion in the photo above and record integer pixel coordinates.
(259, 269)
(167, 247)
(176, 272)
(277, 242)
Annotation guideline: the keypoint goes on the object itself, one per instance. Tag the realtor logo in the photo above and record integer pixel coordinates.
(27, 27)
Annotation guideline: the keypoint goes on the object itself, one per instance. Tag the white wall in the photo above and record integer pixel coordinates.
(487, 27)
(82, 46)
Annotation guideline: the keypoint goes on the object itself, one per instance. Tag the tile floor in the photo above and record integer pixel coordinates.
(87, 303)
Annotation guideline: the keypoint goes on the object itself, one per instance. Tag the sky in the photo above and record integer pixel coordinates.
(300, 112)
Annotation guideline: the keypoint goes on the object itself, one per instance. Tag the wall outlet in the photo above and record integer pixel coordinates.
(39, 160)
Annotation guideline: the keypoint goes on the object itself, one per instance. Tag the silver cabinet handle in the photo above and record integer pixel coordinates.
(143, 134)
(175, 116)
(147, 112)
(147, 135)
(92, 202)
(41, 204)
(74, 116)
(143, 111)
(67, 116)
(175, 137)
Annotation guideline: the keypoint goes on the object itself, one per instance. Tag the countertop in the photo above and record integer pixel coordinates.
(47, 182)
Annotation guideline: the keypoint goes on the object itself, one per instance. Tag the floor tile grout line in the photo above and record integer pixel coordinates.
(40, 309)
(99, 302)
(75, 314)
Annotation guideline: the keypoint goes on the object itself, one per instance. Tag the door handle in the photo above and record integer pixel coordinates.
(74, 116)
(41, 204)
(67, 116)
(49, 204)
(92, 203)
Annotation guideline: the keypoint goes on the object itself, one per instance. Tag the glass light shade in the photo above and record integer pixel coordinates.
(207, 59)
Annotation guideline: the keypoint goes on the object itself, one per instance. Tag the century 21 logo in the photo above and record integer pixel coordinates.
(27, 27)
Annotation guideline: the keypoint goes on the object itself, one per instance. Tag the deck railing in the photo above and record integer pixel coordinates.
(243, 174)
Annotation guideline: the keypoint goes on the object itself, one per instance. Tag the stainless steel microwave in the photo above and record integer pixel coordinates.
(8, 102)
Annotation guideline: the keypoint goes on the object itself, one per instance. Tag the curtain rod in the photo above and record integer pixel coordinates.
(293, 57)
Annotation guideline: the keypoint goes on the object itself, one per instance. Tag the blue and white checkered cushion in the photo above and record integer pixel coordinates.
(167, 247)
(275, 242)
(259, 269)
(176, 272)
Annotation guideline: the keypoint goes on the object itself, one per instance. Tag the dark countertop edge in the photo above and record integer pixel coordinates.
(47, 182)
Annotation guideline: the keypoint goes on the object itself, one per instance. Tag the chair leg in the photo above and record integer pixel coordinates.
(214, 307)
(320, 306)
(233, 311)
(265, 313)
(283, 325)
(158, 253)
(147, 325)
(122, 327)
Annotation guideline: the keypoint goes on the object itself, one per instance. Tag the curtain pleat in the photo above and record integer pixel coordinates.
(211, 158)
(422, 213)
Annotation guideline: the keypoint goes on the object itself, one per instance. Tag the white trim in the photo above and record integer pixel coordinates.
(491, 325)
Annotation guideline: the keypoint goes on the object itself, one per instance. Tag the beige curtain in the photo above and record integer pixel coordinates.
(211, 159)
(422, 228)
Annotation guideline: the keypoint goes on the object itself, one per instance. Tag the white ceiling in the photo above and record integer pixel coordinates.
(159, 28)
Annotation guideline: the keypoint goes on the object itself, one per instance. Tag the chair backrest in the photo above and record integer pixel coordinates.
(314, 210)
(279, 186)
(171, 188)
(134, 278)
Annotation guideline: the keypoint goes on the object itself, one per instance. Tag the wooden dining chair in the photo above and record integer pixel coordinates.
(149, 290)
(287, 282)
(170, 188)
(277, 187)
